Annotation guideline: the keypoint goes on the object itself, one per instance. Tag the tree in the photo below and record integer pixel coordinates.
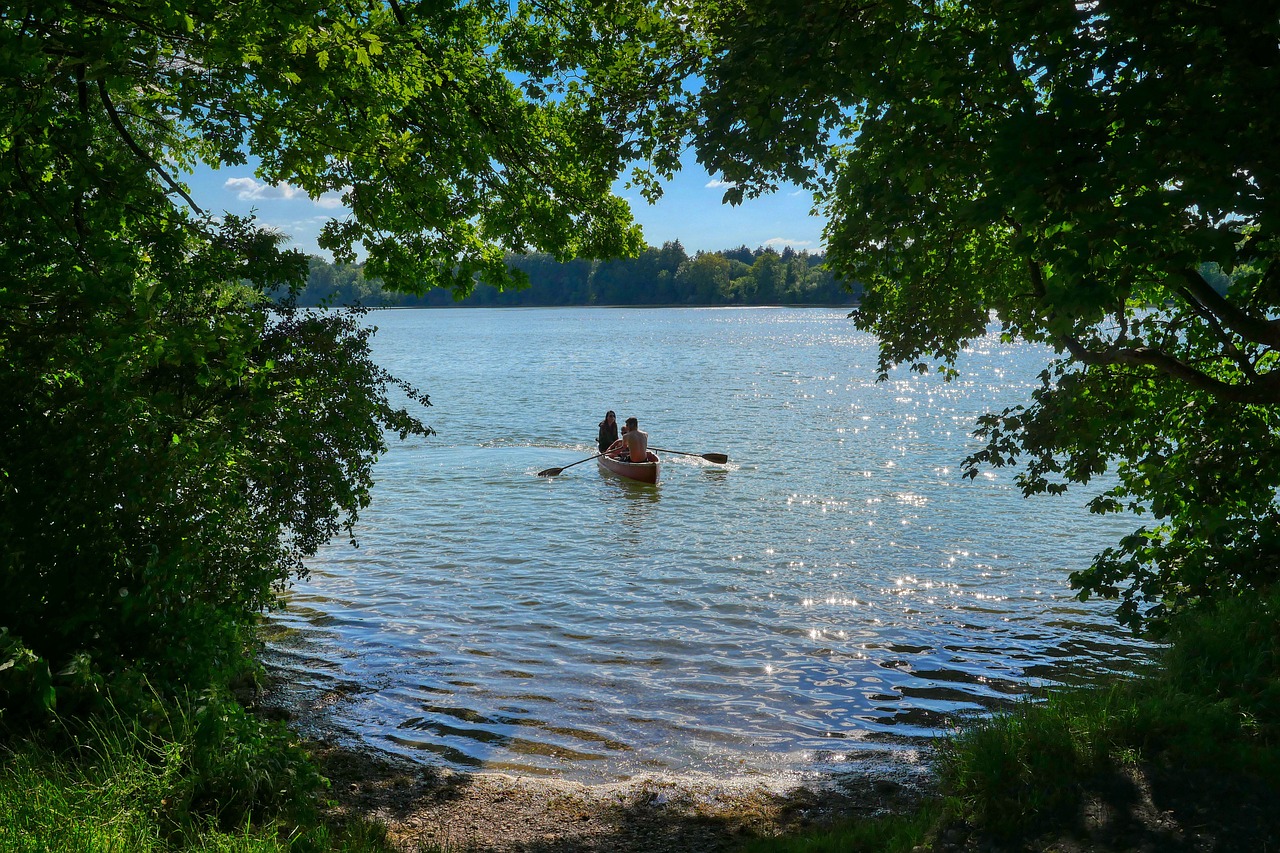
(741, 284)
(668, 262)
(175, 444)
(1068, 169)
(705, 277)
(770, 276)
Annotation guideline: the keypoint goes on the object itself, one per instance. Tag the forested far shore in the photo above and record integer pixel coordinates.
(659, 276)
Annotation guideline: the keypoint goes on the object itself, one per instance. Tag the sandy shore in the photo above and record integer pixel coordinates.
(423, 806)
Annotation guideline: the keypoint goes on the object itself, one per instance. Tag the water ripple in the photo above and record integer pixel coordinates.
(836, 590)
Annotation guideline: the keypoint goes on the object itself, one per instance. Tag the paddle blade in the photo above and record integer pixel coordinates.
(718, 458)
(550, 472)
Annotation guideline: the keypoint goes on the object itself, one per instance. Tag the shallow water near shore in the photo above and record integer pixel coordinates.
(836, 594)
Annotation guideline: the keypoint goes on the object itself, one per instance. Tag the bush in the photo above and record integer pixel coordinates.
(26, 687)
(1229, 653)
(188, 457)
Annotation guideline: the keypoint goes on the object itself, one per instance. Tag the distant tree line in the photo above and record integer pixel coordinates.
(659, 276)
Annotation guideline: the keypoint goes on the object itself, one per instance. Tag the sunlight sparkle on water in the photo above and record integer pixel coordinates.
(609, 595)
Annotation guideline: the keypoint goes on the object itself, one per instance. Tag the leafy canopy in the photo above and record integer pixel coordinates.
(175, 444)
(1100, 177)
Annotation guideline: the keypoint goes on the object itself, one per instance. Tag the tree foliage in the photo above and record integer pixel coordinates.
(174, 443)
(658, 276)
(1098, 177)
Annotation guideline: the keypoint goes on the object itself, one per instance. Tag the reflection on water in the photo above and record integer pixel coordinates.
(633, 519)
(836, 590)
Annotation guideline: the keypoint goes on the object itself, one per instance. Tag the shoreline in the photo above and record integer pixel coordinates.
(499, 811)
(492, 812)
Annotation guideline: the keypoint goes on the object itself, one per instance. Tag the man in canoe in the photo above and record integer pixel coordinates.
(636, 442)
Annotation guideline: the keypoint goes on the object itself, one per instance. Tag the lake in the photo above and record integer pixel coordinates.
(836, 593)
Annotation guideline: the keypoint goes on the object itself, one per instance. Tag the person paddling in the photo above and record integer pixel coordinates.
(636, 440)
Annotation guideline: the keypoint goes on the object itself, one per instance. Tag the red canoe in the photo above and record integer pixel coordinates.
(645, 472)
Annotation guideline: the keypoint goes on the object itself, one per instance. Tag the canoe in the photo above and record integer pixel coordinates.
(645, 472)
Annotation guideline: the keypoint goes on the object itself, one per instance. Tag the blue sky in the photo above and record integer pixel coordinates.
(690, 211)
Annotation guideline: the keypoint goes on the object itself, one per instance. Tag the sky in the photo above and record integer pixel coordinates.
(690, 211)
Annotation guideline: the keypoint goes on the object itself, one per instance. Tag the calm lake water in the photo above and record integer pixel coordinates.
(836, 593)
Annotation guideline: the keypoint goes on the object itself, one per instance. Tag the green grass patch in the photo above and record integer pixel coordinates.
(124, 802)
(204, 776)
(1028, 766)
(893, 833)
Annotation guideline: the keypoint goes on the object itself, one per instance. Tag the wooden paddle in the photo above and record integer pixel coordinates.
(718, 458)
(555, 472)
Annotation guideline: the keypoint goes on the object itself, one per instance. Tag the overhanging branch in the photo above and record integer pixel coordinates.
(138, 151)
(1226, 339)
(1255, 329)
(1264, 389)
(1257, 388)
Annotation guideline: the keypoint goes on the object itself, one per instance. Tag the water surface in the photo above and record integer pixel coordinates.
(836, 591)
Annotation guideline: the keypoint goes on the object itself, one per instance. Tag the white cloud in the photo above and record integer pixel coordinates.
(787, 241)
(330, 200)
(717, 183)
(248, 189)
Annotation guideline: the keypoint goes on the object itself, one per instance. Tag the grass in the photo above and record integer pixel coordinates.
(119, 803)
(1213, 705)
(885, 834)
(137, 785)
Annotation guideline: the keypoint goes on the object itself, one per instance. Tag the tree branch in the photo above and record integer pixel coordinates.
(1255, 329)
(139, 152)
(82, 98)
(1225, 339)
(1263, 390)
